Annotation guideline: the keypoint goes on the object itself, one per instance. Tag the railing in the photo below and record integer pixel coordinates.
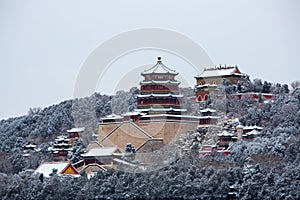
(78, 164)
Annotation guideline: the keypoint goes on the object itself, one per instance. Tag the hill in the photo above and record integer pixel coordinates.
(266, 168)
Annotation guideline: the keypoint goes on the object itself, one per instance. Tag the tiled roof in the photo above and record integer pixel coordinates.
(46, 168)
(81, 129)
(219, 71)
(208, 110)
(160, 109)
(160, 95)
(97, 152)
(159, 68)
(159, 82)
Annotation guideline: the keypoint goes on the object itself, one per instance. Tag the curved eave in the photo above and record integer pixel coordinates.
(159, 82)
(160, 109)
(209, 117)
(159, 68)
(159, 95)
(218, 76)
(207, 110)
(158, 73)
(207, 85)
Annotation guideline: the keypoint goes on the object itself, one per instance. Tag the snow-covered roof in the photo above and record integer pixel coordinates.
(142, 109)
(207, 125)
(159, 68)
(30, 146)
(253, 132)
(160, 82)
(76, 130)
(235, 120)
(160, 95)
(112, 116)
(257, 127)
(92, 168)
(47, 167)
(225, 133)
(62, 144)
(98, 152)
(207, 85)
(209, 117)
(219, 71)
(133, 113)
(57, 150)
(170, 115)
(208, 110)
(239, 126)
(160, 109)
(62, 138)
(252, 127)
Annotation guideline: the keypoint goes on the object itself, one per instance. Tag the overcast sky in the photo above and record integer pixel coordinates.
(43, 44)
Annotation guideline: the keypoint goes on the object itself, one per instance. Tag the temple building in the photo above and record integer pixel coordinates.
(159, 91)
(29, 147)
(158, 119)
(208, 117)
(210, 78)
(75, 132)
(226, 138)
(101, 156)
(61, 147)
(251, 132)
(60, 168)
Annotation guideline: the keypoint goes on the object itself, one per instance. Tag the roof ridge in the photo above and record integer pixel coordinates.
(159, 63)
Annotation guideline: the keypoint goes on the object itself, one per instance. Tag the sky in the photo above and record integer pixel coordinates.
(44, 44)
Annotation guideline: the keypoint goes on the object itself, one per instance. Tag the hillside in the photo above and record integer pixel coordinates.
(266, 168)
(41, 126)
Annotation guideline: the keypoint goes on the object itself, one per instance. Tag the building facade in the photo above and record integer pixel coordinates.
(210, 78)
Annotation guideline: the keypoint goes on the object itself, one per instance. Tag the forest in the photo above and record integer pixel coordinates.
(266, 168)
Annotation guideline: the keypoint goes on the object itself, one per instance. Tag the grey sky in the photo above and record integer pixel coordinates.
(43, 44)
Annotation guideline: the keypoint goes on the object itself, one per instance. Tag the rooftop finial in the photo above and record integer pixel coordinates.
(158, 58)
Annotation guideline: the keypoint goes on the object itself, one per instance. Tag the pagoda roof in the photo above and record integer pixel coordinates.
(220, 71)
(253, 132)
(159, 82)
(207, 110)
(160, 109)
(133, 113)
(159, 68)
(62, 138)
(160, 95)
(170, 115)
(209, 117)
(225, 133)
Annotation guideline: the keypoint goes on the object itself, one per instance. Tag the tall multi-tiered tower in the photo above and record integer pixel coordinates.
(159, 91)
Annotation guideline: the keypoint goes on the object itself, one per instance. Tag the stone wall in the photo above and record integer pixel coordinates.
(167, 130)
